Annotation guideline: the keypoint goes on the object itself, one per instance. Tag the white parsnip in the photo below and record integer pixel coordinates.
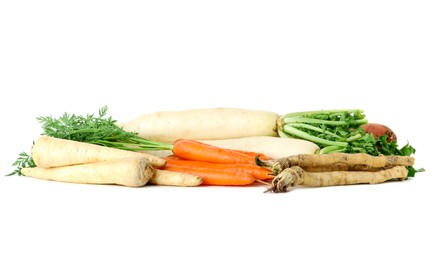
(171, 178)
(53, 152)
(131, 172)
(197, 124)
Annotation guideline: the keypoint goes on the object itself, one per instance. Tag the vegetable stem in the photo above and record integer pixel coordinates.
(300, 134)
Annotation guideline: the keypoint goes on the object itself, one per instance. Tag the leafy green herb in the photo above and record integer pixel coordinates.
(100, 130)
(340, 131)
(391, 148)
(24, 161)
(331, 130)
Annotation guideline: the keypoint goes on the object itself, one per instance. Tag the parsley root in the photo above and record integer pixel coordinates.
(172, 178)
(52, 152)
(131, 172)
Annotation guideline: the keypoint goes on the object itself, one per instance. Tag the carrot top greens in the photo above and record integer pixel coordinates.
(100, 130)
(23, 161)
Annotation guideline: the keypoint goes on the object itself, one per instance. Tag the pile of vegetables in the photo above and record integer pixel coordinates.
(217, 146)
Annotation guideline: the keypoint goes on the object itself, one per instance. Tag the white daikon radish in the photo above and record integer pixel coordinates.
(210, 123)
(274, 147)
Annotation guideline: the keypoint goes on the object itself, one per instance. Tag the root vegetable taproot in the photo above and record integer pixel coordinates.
(217, 178)
(173, 178)
(198, 124)
(131, 172)
(295, 175)
(272, 147)
(53, 152)
(257, 172)
(198, 151)
(378, 130)
(337, 160)
(212, 174)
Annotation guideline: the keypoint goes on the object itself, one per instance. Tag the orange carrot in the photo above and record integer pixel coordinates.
(213, 177)
(257, 172)
(254, 154)
(197, 151)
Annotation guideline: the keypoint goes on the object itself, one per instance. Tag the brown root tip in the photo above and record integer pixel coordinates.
(277, 168)
(289, 177)
(262, 182)
(259, 162)
(267, 164)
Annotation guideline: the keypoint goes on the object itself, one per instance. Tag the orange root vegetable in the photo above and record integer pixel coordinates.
(197, 151)
(217, 178)
(273, 147)
(211, 176)
(131, 172)
(295, 175)
(53, 152)
(257, 172)
(252, 154)
(171, 178)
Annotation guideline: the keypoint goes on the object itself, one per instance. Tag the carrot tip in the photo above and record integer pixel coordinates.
(262, 182)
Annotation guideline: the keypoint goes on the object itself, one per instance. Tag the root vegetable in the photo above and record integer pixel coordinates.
(197, 124)
(295, 175)
(132, 172)
(337, 160)
(273, 147)
(211, 175)
(53, 152)
(197, 151)
(218, 178)
(171, 178)
(257, 172)
(378, 130)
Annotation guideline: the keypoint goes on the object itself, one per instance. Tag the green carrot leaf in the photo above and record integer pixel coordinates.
(23, 161)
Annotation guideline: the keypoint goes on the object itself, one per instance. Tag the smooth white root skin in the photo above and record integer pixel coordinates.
(52, 152)
(170, 178)
(131, 172)
(210, 123)
(273, 147)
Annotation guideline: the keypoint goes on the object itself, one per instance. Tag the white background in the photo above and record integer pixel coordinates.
(144, 56)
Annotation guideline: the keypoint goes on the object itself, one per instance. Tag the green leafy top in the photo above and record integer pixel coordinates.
(331, 130)
(23, 161)
(100, 130)
(340, 131)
